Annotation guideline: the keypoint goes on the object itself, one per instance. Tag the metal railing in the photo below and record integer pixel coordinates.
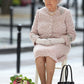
(11, 20)
(19, 27)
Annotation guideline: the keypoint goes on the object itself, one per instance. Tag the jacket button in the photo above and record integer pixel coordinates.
(50, 19)
(50, 34)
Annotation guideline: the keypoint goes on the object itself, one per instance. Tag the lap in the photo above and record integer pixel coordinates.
(40, 59)
(49, 60)
(44, 59)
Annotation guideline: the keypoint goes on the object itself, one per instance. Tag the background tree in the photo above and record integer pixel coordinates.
(5, 5)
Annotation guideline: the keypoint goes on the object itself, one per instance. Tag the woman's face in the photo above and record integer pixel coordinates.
(51, 4)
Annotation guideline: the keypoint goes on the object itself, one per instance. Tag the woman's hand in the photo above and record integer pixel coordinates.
(34, 37)
(42, 41)
(50, 41)
(56, 40)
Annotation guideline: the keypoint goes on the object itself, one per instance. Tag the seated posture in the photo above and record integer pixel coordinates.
(52, 33)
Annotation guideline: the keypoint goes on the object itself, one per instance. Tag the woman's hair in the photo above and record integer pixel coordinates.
(58, 1)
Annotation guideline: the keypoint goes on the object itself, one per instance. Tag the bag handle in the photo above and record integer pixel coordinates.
(70, 71)
(66, 72)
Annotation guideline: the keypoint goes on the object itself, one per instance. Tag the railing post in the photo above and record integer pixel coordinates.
(32, 11)
(76, 13)
(83, 43)
(11, 24)
(18, 47)
(67, 5)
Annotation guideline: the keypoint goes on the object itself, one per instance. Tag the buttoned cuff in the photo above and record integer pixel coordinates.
(34, 37)
(67, 39)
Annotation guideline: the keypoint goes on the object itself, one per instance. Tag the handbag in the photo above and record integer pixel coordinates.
(66, 75)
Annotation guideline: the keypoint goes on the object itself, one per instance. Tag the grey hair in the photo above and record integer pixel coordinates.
(58, 1)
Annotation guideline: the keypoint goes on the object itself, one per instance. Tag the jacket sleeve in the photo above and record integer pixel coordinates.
(71, 33)
(34, 32)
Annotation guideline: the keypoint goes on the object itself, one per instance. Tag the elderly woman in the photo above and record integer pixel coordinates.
(52, 33)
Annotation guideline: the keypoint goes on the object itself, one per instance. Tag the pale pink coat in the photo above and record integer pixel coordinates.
(59, 25)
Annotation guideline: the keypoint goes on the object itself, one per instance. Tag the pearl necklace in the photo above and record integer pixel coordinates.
(51, 13)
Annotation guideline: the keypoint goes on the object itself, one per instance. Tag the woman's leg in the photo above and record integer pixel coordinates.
(50, 67)
(40, 65)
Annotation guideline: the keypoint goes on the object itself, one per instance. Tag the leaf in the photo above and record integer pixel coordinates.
(15, 76)
(11, 83)
(30, 81)
(33, 83)
(20, 75)
(25, 78)
(12, 78)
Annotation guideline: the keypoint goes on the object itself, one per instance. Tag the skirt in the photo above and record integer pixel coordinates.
(57, 52)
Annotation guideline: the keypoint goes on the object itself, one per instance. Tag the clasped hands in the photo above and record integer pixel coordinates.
(49, 41)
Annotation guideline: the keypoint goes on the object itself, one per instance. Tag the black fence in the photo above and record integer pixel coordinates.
(15, 25)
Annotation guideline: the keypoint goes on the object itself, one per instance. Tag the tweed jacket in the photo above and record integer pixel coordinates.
(59, 25)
